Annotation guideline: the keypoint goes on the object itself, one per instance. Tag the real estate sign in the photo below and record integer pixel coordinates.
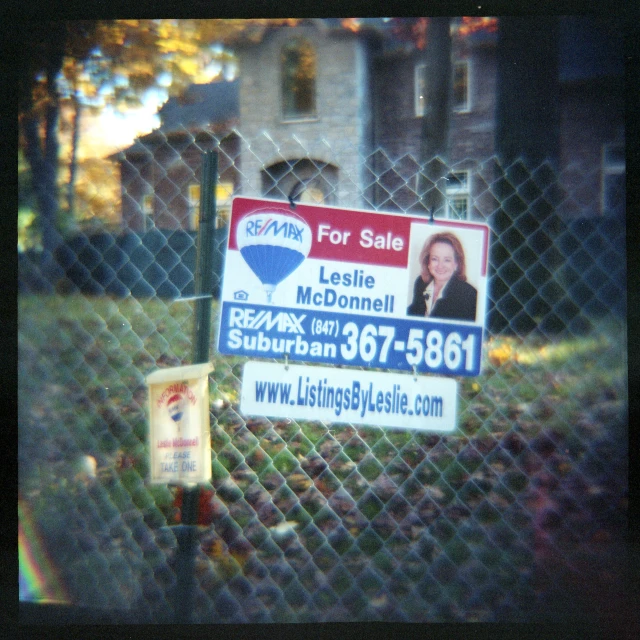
(357, 288)
(179, 436)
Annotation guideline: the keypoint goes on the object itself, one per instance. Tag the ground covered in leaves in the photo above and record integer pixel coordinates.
(313, 521)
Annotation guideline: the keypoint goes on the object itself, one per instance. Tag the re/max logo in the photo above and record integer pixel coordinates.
(285, 229)
(250, 319)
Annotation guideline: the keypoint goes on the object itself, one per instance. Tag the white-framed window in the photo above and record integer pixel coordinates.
(419, 89)
(224, 193)
(458, 194)
(147, 204)
(461, 101)
(613, 191)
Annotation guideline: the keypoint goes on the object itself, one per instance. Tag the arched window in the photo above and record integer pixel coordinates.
(315, 181)
(298, 69)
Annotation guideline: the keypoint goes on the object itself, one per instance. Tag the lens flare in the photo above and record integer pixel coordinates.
(38, 578)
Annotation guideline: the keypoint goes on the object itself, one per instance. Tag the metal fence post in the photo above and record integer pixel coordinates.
(204, 257)
(187, 532)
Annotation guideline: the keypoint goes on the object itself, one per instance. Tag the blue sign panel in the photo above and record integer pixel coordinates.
(349, 339)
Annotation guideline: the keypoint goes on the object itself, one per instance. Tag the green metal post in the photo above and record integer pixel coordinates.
(187, 531)
(204, 257)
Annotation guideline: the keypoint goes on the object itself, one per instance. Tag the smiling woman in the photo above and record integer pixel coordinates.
(441, 290)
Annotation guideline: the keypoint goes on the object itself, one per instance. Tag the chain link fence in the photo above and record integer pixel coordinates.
(506, 518)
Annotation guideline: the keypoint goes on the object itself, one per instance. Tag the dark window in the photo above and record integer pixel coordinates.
(147, 210)
(461, 86)
(298, 80)
(614, 194)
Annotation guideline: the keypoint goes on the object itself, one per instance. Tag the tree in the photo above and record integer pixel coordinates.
(528, 105)
(434, 132)
(435, 36)
(45, 46)
(94, 63)
(73, 61)
(527, 145)
(80, 86)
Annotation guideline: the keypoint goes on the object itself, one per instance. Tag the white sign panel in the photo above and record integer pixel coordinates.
(179, 437)
(346, 395)
(356, 288)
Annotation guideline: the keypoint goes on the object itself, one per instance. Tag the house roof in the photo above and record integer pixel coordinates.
(213, 107)
(200, 106)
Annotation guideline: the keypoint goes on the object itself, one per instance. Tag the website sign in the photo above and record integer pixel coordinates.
(302, 392)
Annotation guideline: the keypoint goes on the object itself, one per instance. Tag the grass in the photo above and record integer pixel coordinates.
(82, 368)
(555, 381)
(97, 352)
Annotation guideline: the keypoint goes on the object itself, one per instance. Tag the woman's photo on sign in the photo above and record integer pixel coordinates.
(441, 289)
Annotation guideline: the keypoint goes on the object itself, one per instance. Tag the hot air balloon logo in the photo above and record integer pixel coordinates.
(273, 244)
(176, 406)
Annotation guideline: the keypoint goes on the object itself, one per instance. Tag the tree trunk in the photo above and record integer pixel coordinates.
(73, 163)
(42, 148)
(527, 142)
(528, 91)
(434, 133)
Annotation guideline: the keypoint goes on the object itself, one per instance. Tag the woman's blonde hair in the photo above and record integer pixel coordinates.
(458, 251)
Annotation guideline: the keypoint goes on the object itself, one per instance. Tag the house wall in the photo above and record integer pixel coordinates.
(135, 176)
(473, 133)
(592, 114)
(365, 101)
(168, 169)
(336, 135)
(397, 128)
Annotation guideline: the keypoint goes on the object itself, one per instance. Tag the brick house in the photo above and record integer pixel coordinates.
(339, 111)
(160, 172)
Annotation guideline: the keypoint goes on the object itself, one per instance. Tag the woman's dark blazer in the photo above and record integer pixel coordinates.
(457, 301)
